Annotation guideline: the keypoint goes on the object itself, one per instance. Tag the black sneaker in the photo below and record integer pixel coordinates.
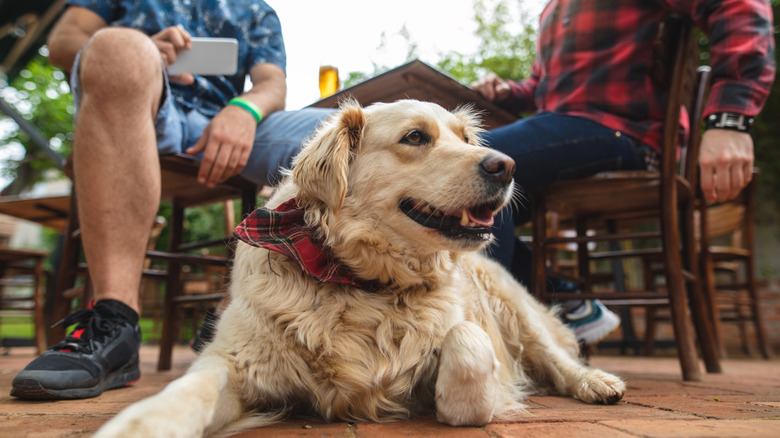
(100, 354)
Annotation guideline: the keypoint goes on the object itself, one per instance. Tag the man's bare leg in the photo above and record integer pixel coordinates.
(116, 167)
(117, 182)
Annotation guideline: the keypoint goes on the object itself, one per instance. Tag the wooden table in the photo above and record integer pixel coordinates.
(49, 211)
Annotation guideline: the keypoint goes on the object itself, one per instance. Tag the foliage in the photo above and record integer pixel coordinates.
(40, 94)
(766, 131)
(200, 223)
(506, 47)
(357, 77)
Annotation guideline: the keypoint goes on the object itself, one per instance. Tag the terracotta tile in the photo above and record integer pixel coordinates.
(425, 426)
(301, 428)
(554, 430)
(570, 410)
(710, 407)
(743, 401)
(52, 425)
(697, 428)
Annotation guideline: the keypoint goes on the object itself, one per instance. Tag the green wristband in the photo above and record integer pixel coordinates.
(250, 107)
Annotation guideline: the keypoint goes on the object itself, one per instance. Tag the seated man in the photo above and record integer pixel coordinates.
(598, 108)
(129, 111)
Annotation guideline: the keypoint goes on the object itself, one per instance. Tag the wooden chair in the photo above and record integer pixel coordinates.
(727, 245)
(181, 189)
(725, 241)
(667, 197)
(23, 269)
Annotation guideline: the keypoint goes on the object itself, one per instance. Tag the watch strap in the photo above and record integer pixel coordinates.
(726, 120)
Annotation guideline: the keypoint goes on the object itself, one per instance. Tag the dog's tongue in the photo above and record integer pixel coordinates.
(485, 219)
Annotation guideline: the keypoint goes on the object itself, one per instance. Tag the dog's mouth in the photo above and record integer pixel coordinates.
(470, 223)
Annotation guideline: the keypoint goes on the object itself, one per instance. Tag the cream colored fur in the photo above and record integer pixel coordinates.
(451, 333)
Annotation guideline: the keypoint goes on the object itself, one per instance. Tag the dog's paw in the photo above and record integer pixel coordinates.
(467, 385)
(599, 387)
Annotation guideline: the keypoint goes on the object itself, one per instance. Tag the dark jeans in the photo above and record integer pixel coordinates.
(547, 148)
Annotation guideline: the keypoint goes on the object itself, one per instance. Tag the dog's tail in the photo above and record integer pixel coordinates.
(253, 420)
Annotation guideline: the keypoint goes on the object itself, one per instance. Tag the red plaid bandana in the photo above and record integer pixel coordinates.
(283, 230)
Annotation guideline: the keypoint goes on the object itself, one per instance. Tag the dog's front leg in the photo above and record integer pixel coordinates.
(467, 386)
(200, 401)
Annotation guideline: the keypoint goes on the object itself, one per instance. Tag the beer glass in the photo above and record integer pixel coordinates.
(329, 80)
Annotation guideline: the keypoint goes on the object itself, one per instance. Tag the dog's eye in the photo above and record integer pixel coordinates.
(416, 138)
(466, 138)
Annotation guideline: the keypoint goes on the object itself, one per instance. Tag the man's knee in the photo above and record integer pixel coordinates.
(119, 61)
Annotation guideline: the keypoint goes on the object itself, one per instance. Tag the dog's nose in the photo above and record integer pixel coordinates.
(498, 167)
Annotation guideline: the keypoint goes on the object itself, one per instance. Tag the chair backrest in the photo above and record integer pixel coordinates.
(730, 223)
(688, 88)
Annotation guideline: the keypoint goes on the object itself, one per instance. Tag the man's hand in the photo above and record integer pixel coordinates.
(170, 41)
(725, 163)
(226, 144)
(492, 87)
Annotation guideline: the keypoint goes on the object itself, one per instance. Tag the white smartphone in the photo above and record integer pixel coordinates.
(208, 56)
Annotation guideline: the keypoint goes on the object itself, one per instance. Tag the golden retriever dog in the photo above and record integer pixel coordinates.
(372, 301)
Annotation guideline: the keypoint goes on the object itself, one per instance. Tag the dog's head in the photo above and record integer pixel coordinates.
(407, 174)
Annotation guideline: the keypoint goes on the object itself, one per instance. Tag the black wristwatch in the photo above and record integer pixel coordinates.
(733, 121)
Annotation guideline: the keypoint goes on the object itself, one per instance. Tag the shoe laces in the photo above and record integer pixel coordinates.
(92, 327)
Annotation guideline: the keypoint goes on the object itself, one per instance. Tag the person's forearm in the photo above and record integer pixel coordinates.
(72, 30)
(269, 89)
(64, 45)
(742, 54)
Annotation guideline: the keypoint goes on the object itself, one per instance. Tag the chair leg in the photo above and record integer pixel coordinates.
(683, 335)
(702, 317)
(68, 271)
(170, 323)
(650, 327)
(743, 317)
(709, 290)
(40, 328)
(704, 328)
(650, 311)
(755, 310)
(675, 285)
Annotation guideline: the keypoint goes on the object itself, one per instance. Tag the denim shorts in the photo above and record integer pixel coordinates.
(278, 139)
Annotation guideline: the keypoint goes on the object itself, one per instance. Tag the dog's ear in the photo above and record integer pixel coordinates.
(320, 169)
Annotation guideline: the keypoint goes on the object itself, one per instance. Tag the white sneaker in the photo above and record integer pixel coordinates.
(592, 321)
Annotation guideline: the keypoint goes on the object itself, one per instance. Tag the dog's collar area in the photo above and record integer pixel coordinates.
(284, 230)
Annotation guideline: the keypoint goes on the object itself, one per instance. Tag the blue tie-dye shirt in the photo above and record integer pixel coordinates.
(252, 22)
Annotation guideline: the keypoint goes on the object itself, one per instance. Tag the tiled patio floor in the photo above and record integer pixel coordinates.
(744, 401)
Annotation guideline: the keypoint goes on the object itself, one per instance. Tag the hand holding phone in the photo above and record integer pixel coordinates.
(208, 56)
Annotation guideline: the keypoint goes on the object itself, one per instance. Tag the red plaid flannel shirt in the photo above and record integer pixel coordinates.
(593, 59)
(283, 230)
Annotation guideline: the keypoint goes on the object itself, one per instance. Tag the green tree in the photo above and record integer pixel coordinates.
(507, 43)
(40, 94)
(766, 131)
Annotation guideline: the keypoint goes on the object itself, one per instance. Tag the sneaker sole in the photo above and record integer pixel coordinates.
(31, 389)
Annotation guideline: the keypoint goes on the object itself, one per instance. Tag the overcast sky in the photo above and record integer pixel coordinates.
(348, 34)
